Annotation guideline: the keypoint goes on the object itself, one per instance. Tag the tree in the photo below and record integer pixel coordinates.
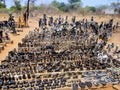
(116, 7)
(33, 7)
(90, 9)
(2, 1)
(101, 9)
(74, 1)
(13, 9)
(2, 5)
(55, 4)
(17, 5)
(61, 6)
(74, 4)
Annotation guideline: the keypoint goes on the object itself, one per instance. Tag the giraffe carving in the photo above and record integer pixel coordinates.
(26, 14)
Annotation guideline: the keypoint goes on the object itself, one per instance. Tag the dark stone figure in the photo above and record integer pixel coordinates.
(1, 35)
(45, 19)
(117, 25)
(92, 18)
(73, 19)
(11, 24)
(60, 20)
(40, 22)
(7, 36)
(50, 21)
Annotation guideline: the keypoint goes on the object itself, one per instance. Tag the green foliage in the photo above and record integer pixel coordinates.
(75, 4)
(55, 4)
(3, 8)
(74, 1)
(90, 9)
(18, 5)
(2, 5)
(13, 9)
(61, 6)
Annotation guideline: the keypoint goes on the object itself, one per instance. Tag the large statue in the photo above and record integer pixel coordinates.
(26, 14)
(21, 22)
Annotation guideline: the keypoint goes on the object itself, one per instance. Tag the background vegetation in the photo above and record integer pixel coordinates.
(56, 7)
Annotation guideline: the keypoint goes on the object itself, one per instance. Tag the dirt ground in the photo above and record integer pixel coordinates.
(33, 22)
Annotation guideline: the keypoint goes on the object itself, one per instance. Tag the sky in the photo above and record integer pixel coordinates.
(9, 3)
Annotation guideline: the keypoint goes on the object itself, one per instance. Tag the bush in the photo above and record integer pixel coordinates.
(63, 7)
(90, 9)
(13, 9)
(2, 5)
(74, 4)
